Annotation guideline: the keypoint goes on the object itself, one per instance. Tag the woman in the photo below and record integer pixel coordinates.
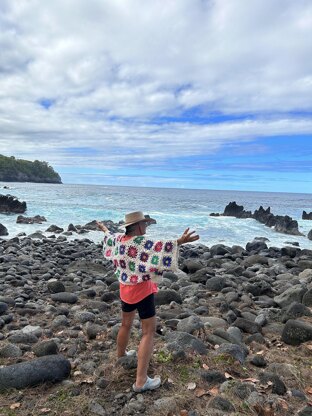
(139, 262)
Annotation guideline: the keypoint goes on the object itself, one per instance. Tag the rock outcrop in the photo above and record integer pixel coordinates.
(280, 223)
(306, 216)
(37, 219)
(10, 204)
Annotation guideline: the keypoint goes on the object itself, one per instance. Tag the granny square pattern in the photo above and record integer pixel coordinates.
(139, 259)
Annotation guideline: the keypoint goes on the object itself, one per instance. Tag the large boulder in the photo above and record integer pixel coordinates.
(10, 204)
(296, 332)
(293, 294)
(31, 373)
(3, 230)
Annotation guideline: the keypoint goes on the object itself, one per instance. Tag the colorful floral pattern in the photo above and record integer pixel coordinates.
(158, 246)
(139, 259)
(168, 247)
(144, 256)
(148, 245)
(155, 260)
(132, 252)
(134, 279)
(138, 240)
(167, 261)
(132, 266)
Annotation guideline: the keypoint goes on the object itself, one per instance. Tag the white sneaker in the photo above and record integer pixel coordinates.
(150, 384)
(130, 353)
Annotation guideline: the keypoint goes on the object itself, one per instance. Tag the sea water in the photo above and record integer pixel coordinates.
(174, 210)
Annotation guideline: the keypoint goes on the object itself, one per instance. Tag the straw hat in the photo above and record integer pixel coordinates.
(137, 216)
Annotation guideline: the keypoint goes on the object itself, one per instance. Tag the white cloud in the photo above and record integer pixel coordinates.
(112, 67)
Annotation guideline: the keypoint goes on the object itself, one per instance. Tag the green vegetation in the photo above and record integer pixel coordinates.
(19, 170)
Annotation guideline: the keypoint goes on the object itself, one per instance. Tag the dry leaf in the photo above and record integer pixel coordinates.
(308, 390)
(77, 373)
(252, 380)
(15, 406)
(216, 346)
(283, 404)
(205, 366)
(87, 380)
(170, 381)
(227, 375)
(191, 386)
(260, 352)
(200, 392)
(183, 412)
(45, 410)
(214, 391)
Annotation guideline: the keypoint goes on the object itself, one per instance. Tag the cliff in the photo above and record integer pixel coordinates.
(19, 170)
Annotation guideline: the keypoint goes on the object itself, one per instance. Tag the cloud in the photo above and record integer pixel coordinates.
(101, 74)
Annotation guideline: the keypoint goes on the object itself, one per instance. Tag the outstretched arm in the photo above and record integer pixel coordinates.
(102, 227)
(187, 237)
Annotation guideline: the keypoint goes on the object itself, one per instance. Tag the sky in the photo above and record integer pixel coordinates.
(209, 94)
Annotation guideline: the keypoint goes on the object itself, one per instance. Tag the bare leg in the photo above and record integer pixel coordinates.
(145, 349)
(124, 332)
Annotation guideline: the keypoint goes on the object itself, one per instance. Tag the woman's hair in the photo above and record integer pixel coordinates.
(130, 228)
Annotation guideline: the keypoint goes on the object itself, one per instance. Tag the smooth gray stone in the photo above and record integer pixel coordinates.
(45, 348)
(183, 340)
(64, 297)
(51, 368)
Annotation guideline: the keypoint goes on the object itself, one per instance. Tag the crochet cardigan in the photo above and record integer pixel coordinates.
(139, 258)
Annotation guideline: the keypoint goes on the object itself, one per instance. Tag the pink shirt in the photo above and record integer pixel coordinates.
(135, 293)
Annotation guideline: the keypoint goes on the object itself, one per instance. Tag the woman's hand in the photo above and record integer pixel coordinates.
(102, 227)
(187, 237)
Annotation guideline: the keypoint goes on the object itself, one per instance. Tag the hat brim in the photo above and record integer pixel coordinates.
(148, 220)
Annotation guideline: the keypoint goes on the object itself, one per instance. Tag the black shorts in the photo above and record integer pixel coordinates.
(146, 307)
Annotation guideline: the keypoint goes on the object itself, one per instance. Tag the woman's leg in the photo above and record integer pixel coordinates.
(124, 332)
(145, 349)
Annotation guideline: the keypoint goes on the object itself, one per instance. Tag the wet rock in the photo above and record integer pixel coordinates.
(10, 204)
(30, 373)
(3, 230)
(37, 219)
(54, 229)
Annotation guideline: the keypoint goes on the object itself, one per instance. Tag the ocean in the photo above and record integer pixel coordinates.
(174, 210)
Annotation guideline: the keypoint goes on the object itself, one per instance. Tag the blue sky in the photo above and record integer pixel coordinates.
(190, 94)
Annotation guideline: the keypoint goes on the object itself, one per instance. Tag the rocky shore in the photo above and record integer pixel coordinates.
(280, 223)
(234, 334)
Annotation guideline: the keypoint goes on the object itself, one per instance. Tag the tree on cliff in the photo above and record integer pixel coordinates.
(19, 170)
